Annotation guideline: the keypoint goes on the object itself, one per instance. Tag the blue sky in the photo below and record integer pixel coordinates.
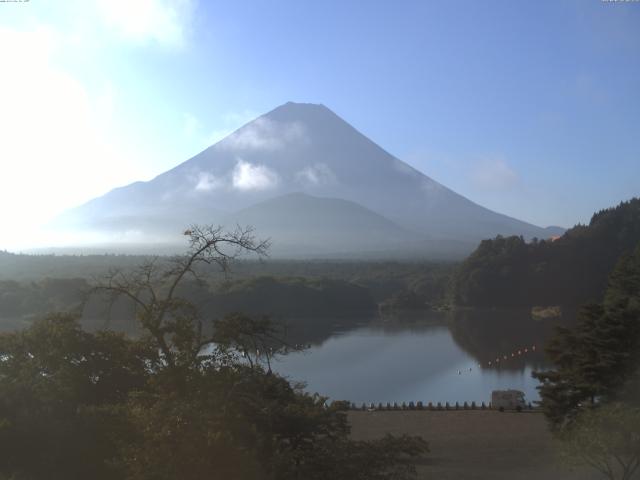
(531, 108)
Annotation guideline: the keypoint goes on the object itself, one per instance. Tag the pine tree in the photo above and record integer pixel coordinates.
(594, 360)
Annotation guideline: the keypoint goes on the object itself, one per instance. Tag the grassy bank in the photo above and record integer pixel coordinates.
(474, 444)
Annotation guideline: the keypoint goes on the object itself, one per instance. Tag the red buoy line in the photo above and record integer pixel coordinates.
(502, 358)
(517, 353)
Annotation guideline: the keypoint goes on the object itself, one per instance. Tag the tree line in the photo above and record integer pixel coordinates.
(570, 270)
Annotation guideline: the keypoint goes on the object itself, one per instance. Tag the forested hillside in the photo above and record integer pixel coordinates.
(570, 270)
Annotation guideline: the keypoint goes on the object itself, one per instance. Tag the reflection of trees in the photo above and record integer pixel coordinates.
(487, 334)
(317, 330)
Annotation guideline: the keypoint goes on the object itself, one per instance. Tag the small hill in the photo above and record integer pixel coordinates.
(570, 270)
(304, 225)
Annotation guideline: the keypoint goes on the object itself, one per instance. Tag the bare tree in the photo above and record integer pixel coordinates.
(173, 322)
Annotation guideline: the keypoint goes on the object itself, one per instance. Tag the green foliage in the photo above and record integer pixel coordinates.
(570, 270)
(171, 403)
(303, 294)
(294, 299)
(490, 269)
(622, 297)
(77, 405)
(57, 388)
(607, 439)
(36, 298)
(291, 297)
(596, 359)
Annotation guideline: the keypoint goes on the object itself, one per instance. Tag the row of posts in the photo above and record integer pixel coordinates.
(429, 406)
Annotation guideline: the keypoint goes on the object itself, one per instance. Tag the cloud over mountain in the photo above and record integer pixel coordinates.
(317, 174)
(266, 135)
(247, 176)
(494, 174)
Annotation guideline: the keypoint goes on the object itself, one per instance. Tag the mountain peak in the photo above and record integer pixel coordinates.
(294, 111)
(303, 105)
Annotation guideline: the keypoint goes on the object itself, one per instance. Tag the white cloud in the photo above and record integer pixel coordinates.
(317, 174)
(266, 135)
(248, 176)
(494, 174)
(161, 21)
(205, 182)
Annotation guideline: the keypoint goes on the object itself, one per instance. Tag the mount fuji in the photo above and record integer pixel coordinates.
(314, 184)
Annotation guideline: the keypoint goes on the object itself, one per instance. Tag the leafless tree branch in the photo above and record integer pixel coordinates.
(152, 286)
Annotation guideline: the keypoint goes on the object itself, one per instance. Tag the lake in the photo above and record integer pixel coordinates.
(442, 362)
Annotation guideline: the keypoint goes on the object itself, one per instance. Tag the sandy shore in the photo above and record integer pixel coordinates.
(474, 444)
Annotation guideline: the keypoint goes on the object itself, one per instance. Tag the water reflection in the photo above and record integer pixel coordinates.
(504, 339)
(439, 359)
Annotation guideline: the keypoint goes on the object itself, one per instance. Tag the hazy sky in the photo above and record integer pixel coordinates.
(531, 108)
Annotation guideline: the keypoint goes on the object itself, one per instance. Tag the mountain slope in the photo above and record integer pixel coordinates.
(296, 148)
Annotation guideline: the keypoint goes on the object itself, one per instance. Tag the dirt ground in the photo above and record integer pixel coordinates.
(474, 444)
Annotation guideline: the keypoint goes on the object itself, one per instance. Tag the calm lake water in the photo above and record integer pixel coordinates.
(432, 363)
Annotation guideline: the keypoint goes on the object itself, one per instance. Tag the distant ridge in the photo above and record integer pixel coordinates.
(308, 226)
